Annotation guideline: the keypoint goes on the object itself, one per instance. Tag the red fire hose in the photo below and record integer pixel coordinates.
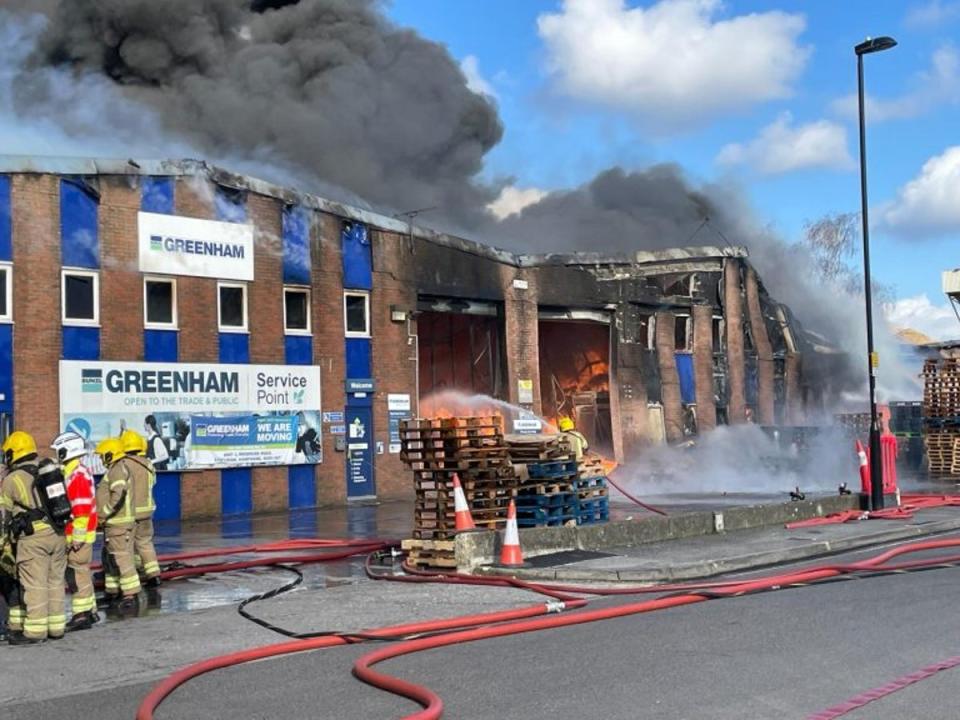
(519, 621)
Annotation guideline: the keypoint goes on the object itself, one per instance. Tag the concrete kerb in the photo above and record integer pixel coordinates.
(476, 549)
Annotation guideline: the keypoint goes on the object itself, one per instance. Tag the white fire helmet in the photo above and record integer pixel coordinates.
(69, 445)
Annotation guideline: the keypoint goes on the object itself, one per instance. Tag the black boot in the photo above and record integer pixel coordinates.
(21, 639)
(153, 582)
(81, 621)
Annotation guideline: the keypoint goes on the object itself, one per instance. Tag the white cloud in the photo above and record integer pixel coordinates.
(470, 66)
(938, 322)
(932, 14)
(674, 64)
(782, 147)
(938, 85)
(928, 205)
(513, 199)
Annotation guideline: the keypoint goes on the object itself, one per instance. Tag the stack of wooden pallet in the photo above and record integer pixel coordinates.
(436, 449)
(941, 416)
(592, 494)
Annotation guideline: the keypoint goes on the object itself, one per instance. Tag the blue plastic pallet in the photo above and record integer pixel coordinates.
(545, 522)
(555, 469)
(545, 501)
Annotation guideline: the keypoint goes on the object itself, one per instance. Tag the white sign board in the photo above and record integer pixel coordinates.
(173, 245)
(197, 415)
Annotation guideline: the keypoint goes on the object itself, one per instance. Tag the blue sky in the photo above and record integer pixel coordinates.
(757, 101)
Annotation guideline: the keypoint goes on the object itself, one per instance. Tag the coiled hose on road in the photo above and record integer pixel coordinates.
(563, 599)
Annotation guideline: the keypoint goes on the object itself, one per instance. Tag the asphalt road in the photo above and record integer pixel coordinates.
(785, 654)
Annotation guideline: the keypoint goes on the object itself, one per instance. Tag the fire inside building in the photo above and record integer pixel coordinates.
(269, 342)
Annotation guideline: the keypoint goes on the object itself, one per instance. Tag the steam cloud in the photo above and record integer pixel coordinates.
(328, 95)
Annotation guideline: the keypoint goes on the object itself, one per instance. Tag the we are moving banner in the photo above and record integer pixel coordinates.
(196, 415)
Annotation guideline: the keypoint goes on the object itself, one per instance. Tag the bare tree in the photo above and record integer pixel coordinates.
(832, 242)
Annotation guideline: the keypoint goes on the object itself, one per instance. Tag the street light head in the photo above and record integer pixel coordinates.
(872, 45)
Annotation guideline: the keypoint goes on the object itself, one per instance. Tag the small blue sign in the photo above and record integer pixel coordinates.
(365, 385)
(333, 417)
(338, 429)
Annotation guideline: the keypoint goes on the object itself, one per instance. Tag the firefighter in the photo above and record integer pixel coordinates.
(115, 510)
(143, 477)
(40, 547)
(81, 530)
(578, 443)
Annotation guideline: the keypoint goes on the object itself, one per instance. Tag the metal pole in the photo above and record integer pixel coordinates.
(876, 460)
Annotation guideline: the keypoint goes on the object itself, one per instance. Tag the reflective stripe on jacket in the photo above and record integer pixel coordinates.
(83, 505)
(142, 479)
(578, 443)
(115, 497)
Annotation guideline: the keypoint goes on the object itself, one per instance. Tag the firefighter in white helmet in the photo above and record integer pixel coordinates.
(81, 530)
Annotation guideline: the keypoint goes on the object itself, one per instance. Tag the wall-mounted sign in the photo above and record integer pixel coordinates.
(398, 408)
(175, 245)
(365, 385)
(338, 429)
(196, 415)
(525, 392)
(334, 416)
(527, 426)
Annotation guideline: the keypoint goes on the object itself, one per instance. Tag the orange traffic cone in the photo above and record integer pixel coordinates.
(462, 517)
(511, 555)
(864, 468)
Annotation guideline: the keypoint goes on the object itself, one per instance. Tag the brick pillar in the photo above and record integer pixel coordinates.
(669, 380)
(703, 367)
(121, 284)
(794, 413)
(761, 340)
(328, 344)
(521, 322)
(199, 336)
(633, 399)
(733, 314)
(35, 213)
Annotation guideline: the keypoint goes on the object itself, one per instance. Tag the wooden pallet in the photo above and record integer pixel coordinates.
(430, 553)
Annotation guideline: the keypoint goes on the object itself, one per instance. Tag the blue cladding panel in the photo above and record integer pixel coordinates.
(6, 229)
(167, 495)
(81, 343)
(296, 246)
(357, 257)
(6, 367)
(688, 388)
(236, 491)
(156, 195)
(301, 486)
(161, 345)
(234, 348)
(229, 208)
(298, 349)
(79, 238)
(358, 358)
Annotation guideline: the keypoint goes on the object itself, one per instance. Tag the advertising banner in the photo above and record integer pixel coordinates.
(174, 245)
(197, 415)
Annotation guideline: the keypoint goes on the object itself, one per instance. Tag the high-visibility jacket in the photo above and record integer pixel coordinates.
(17, 495)
(115, 497)
(578, 443)
(83, 505)
(142, 479)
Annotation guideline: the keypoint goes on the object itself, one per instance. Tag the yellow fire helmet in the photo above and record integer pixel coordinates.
(110, 450)
(18, 446)
(566, 424)
(133, 442)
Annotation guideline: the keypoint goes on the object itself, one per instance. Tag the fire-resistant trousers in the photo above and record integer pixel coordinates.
(80, 579)
(11, 601)
(41, 567)
(143, 546)
(118, 542)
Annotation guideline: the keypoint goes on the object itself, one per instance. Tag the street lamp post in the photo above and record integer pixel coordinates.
(870, 45)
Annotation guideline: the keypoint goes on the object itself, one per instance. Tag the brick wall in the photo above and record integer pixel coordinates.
(761, 339)
(669, 380)
(703, 367)
(733, 316)
(200, 494)
(197, 297)
(35, 210)
(632, 392)
(522, 333)
(121, 284)
(794, 414)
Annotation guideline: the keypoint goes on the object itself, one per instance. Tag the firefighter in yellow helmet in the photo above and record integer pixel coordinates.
(578, 443)
(115, 502)
(143, 477)
(32, 503)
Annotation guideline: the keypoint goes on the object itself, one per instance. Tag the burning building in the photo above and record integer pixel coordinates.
(273, 340)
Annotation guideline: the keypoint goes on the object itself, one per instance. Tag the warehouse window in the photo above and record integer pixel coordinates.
(160, 303)
(296, 311)
(80, 297)
(6, 292)
(682, 334)
(356, 313)
(232, 307)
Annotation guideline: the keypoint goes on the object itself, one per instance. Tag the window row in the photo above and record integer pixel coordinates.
(80, 302)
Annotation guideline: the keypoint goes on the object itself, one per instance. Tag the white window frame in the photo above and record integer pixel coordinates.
(245, 328)
(174, 325)
(300, 290)
(687, 332)
(7, 267)
(79, 272)
(366, 297)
